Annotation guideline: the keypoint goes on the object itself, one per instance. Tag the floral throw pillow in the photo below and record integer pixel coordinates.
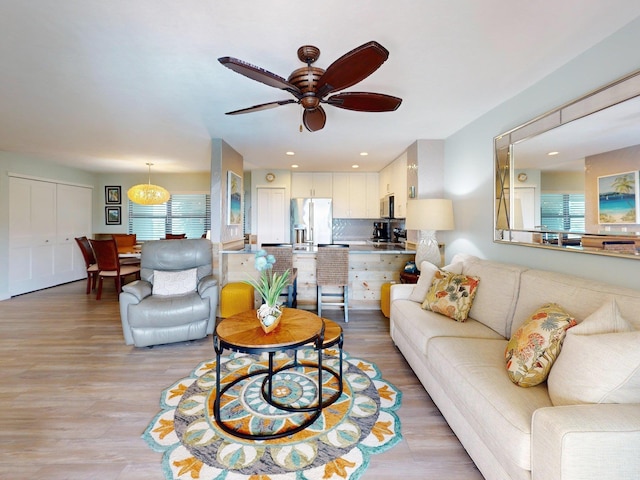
(534, 347)
(451, 294)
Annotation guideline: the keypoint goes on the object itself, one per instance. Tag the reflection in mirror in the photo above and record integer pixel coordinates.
(570, 178)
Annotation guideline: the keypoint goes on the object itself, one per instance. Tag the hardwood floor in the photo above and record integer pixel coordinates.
(75, 400)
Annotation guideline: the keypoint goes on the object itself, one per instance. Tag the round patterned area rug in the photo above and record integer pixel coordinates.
(337, 445)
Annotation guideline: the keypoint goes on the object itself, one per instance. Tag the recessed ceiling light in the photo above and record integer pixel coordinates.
(294, 166)
(551, 154)
(355, 166)
(290, 153)
(363, 154)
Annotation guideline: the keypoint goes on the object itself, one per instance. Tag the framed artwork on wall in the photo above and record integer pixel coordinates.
(618, 198)
(112, 195)
(112, 216)
(234, 199)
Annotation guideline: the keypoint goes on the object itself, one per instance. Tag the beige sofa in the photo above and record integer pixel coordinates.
(509, 431)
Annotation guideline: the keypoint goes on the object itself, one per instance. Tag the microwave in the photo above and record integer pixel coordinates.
(386, 206)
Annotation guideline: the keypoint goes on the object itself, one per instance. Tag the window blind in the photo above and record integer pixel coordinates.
(562, 211)
(189, 214)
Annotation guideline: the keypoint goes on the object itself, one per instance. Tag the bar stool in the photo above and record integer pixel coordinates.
(332, 270)
(283, 253)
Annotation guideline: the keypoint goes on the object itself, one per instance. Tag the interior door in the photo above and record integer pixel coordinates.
(272, 215)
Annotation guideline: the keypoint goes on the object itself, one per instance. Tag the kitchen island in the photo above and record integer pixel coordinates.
(370, 266)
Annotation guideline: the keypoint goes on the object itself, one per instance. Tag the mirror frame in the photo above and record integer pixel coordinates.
(621, 90)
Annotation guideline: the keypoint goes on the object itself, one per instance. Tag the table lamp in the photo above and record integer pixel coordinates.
(429, 215)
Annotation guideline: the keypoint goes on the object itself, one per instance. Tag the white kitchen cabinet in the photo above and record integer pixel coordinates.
(44, 219)
(399, 181)
(385, 186)
(311, 184)
(373, 196)
(355, 195)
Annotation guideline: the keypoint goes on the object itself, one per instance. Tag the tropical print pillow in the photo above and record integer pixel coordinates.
(534, 347)
(451, 294)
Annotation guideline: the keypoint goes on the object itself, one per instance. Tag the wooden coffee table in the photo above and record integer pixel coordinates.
(242, 333)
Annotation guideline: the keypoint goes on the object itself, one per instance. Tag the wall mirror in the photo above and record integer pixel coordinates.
(569, 179)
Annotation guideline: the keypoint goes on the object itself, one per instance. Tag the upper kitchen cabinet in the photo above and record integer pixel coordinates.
(355, 195)
(311, 184)
(399, 181)
(393, 181)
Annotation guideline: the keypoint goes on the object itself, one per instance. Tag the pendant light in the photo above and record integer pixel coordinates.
(147, 194)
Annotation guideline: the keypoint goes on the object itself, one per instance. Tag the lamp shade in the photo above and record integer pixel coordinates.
(429, 214)
(147, 194)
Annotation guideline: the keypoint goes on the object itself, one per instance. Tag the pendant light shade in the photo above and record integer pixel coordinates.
(147, 194)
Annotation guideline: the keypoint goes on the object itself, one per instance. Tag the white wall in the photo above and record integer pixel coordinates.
(469, 169)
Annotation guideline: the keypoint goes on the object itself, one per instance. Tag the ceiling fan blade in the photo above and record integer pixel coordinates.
(365, 101)
(315, 119)
(352, 68)
(262, 106)
(259, 75)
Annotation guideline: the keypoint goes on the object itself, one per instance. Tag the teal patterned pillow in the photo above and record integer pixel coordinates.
(451, 294)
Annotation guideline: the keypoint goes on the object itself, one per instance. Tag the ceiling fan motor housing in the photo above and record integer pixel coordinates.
(306, 79)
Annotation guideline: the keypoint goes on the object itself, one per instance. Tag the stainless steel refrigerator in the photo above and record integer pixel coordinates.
(311, 220)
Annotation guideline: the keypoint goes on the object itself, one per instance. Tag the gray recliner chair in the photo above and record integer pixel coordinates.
(181, 305)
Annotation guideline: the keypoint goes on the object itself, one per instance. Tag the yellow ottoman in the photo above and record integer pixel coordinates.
(385, 305)
(235, 298)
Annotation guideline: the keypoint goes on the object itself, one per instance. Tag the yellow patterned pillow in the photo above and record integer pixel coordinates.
(451, 294)
(536, 344)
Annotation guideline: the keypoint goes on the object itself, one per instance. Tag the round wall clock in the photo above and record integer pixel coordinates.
(522, 177)
(270, 177)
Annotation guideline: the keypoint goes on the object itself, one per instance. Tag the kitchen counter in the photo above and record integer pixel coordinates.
(384, 248)
(370, 266)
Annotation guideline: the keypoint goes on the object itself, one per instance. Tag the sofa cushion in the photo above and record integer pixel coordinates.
(451, 294)
(174, 283)
(159, 311)
(427, 271)
(536, 344)
(599, 362)
(472, 373)
(420, 326)
(495, 302)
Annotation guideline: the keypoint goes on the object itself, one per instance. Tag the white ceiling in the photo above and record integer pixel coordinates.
(109, 85)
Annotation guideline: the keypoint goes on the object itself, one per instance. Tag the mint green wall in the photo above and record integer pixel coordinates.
(469, 162)
(175, 183)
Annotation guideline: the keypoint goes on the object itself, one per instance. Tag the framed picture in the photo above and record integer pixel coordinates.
(234, 199)
(618, 198)
(112, 216)
(112, 195)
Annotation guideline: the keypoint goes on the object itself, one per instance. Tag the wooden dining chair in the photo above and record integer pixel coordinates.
(106, 253)
(89, 261)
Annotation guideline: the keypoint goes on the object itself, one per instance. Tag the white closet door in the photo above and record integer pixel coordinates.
(44, 219)
(272, 216)
(73, 206)
(32, 235)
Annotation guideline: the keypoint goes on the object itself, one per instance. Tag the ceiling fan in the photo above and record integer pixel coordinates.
(311, 85)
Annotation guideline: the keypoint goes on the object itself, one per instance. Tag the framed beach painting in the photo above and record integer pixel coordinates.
(618, 198)
(234, 199)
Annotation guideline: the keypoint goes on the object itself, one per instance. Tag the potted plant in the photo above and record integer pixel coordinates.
(270, 285)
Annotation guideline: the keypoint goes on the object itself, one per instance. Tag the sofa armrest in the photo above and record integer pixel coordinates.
(586, 442)
(138, 288)
(206, 283)
(208, 288)
(400, 290)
